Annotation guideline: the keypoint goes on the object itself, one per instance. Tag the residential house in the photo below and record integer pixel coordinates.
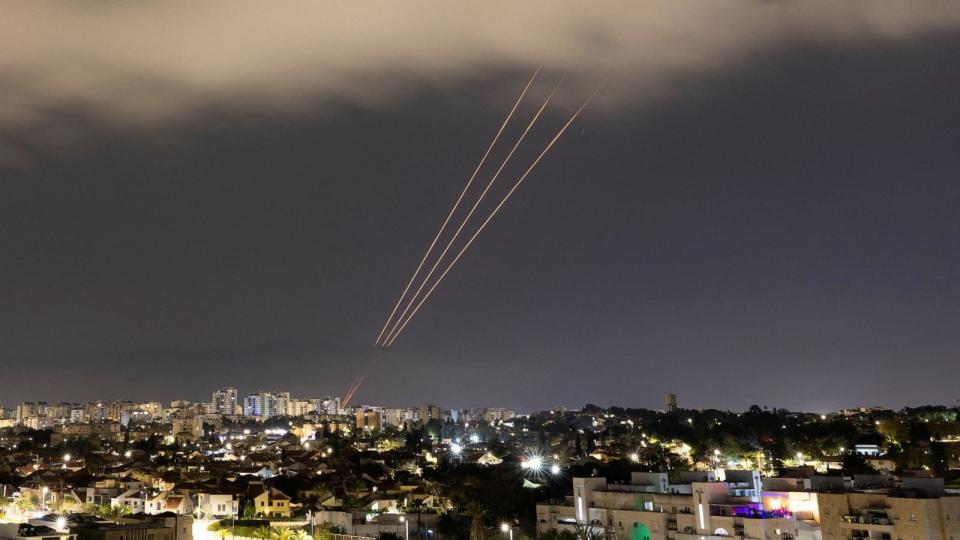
(213, 505)
(268, 501)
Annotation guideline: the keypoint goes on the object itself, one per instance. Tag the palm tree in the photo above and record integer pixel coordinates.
(478, 515)
(262, 532)
(299, 534)
(282, 533)
(114, 513)
(25, 505)
(587, 532)
(223, 533)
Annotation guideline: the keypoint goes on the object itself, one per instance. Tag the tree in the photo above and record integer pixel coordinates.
(281, 533)
(587, 532)
(477, 513)
(25, 505)
(222, 534)
(248, 511)
(113, 513)
(323, 532)
(857, 464)
(937, 458)
(262, 532)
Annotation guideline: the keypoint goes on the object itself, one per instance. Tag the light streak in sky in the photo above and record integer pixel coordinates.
(492, 214)
(352, 390)
(473, 209)
(456, 204)
(387, 339)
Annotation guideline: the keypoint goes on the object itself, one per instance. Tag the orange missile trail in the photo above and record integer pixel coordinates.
(493, 213)
(353, 390)
(473, 209)
(457, 203)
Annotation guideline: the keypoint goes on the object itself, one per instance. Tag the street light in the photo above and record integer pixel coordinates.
(507, 529)
(43, 501)
(406, 527)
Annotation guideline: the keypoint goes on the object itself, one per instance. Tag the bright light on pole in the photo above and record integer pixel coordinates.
(507, 529)
(456, 449)
(555, 469)
(635, 457)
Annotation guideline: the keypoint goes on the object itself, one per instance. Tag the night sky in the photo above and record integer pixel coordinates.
(763, 212)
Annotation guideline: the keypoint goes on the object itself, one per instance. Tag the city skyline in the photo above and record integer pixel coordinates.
(758, 207)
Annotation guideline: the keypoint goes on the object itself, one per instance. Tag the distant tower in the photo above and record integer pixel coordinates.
(671, 401)
(224, 401)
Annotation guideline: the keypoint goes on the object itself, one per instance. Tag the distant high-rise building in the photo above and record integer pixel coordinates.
(281, 403)
(433, 412)
(369, 419)
(27, 410)
(263, 404)
(671, 401)
(497, 414)
(224, 401)
(332, 406)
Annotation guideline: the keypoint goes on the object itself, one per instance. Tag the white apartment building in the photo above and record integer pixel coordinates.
(696, 507)
(879, 507)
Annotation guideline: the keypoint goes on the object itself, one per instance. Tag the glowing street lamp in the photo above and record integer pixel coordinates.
(506, 529)
(406, 527)
(555, 469)
(635, 457)
(456, 449)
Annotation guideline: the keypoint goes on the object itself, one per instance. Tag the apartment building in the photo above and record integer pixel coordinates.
(697, 506)
(872, 506)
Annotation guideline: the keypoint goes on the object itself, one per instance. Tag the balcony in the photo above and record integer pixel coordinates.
(863, 535)
(866, 524)
(749, 511)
